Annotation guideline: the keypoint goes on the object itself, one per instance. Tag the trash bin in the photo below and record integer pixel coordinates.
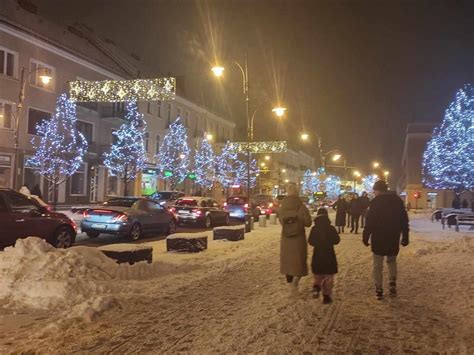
(262, 221)
(273, 218)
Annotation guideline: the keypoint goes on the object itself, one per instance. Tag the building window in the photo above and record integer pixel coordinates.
(159, 108)
(5, 170)
(36, 117)
(6, 115)
(157, 147)
(78, 181)
(87, 129)
(30, 178)
(8, 62)
(37, 69)
(146, 138)
(148, 108)
(112, 185)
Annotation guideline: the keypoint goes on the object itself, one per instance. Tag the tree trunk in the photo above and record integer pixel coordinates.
(55, 193)
(125, 183)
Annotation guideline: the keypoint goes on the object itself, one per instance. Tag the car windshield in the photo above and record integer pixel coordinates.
(120, 202)
(162, 195)
(237, 200)
(186, 202)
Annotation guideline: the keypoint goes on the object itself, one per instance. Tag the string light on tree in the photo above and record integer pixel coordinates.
(173, 159)
(242, 172)
(205, 164)
(310, 182)
(127, 156)
(332, 186)
(448, 161)
(228, 166)
(259, 147)
(368, 183)
(59, 146)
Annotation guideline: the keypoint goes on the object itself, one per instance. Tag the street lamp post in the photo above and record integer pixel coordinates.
(45, 78)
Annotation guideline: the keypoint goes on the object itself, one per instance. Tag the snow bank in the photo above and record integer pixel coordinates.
(33, 274)
(460, 245)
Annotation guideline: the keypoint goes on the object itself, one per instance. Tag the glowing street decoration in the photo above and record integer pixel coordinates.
(259, 147)
(123, 90)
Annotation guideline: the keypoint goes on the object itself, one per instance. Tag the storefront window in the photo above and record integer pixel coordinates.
(149, 181)
(78, 181)
(30, 179)
(5, 170)
(112, 185)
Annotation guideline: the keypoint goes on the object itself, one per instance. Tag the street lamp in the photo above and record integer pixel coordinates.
(336, 157)
(279, 111)
(267, 157)
(376, 164)
(209, 136)
(44, 75)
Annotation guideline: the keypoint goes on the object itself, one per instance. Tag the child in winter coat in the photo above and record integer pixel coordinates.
(323, 237)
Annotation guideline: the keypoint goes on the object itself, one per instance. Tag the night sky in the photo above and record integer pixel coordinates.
(355, 72)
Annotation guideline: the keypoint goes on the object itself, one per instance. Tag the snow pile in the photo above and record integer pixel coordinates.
(34, 274)
(460, 245)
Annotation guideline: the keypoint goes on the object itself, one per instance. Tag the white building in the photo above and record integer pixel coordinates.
(30, 42)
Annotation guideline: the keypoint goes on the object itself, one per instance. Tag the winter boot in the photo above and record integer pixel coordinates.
(379, 293)
(393, 288)
(316, 291)
(327, 299)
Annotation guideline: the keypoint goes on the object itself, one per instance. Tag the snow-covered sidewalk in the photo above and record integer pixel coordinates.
(231, 298)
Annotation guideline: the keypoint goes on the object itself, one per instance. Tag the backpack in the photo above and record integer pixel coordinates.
(291, 227)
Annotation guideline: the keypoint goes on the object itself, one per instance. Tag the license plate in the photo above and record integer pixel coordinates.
(183, 212)
(99, 226)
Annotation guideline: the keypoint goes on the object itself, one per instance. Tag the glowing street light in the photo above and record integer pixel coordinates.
(262, 164)
(357, 173)
(376, 164)
(209, 136)
(279, 111)
(304, 136)
(336, 157)
(283, 170)
(386, 173)
(267, 157)
(287, 180)
(218, 71)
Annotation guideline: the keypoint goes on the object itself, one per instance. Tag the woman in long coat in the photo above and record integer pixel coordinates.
(342, 208)
(293, 245)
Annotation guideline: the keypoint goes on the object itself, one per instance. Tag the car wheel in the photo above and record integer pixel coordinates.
(63, 238)
(92, 234)
(135, 232)
(227, 220)
(208, 222)
(171, 227)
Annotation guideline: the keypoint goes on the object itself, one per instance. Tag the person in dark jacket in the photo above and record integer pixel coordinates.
(36, 191)
(341, 208)
(364, 205)
(386, 220)
(323, 237)
(355, 209)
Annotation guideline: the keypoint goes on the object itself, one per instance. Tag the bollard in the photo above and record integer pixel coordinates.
(252, 223)
(262, 221)
(273, 218)
(248, 223)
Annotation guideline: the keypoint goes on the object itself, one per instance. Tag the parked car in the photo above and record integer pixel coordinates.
(132, 217)
(166, 198)
(200, 210)
(22, 216)
(239, 206)
(264, 203)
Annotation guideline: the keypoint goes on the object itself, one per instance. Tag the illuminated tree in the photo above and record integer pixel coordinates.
(59, 146)
(242, 172)
(448, 161)
(127, 156)
(205, 165)
(173, 159)
(310, 182)
(332, 186)
(228, 167)
(368, 183)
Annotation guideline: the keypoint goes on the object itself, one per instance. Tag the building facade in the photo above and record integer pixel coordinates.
(410, 185)
(28, 43)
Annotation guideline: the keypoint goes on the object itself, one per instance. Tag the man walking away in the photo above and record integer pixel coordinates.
(355, 209)
(364, 205)
(386, 220)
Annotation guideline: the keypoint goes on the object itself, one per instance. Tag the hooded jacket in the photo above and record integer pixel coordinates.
(323, 237)
(386, 220)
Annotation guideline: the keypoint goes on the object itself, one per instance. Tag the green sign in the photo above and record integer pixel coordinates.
(192, 176)
(167, 173)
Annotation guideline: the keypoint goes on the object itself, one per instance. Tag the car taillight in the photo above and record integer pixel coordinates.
(246, 207)
(85, 213)
(197, 212)
(120, 218)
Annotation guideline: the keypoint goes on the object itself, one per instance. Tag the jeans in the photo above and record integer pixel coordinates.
(355, 222)
(378, 269)
(325, 281)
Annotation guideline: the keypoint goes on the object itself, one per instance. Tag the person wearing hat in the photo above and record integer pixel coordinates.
(386, 220)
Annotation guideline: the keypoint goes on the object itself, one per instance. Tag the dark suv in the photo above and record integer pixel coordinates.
(22, 216)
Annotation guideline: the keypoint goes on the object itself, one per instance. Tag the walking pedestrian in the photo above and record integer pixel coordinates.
(355, 210)
(348, 199)
(294, 217)
(323, 237)
(341, 208)
(25, 190)
(364, 205)
(36, 191)
(386, 220)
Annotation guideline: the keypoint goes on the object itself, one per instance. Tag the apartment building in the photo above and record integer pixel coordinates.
(29, 42)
